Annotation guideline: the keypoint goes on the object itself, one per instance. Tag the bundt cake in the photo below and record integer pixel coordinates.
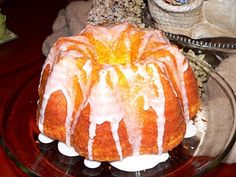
(116, 91)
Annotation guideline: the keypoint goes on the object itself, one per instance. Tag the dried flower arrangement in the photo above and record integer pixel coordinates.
(107, 11)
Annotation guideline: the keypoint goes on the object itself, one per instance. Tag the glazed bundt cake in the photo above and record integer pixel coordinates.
(116, 91)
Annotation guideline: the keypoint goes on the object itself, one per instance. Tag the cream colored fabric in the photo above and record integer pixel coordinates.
(219, 113)
(222, 14)
(69, 21)
(227, 69)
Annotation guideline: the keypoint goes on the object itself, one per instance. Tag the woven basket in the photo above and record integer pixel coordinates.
(169, 17)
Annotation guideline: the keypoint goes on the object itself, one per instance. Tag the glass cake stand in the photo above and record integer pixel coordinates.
(193, 157)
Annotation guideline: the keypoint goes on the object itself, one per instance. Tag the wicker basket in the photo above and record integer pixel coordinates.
(169, 17)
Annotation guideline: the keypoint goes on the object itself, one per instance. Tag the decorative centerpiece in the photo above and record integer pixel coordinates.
(177, 2)
(172, 14)
(107, 11)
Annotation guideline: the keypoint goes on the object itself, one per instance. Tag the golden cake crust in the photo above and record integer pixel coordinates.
(66, 110)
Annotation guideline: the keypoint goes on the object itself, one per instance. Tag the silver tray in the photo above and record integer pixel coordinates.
(220, 44)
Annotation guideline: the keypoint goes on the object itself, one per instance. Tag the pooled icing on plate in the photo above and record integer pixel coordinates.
(129, 164)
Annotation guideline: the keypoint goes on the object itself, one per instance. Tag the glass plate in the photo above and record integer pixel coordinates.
(19, 139)
(218, 44)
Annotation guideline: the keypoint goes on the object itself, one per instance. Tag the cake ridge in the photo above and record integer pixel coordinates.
(123, 90)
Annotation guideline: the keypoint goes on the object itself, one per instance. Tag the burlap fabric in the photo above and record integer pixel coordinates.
(220, 112)
(73, 19)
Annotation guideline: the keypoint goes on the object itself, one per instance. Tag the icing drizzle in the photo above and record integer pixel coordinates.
(107, 103)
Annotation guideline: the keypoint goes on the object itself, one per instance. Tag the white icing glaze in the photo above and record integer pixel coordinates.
(182, 66)
(158, 105)
(66, 150)
(114, 130)
(178, 73)
(61, 78)
(40, 125)
(87, 67)
(92, 132)
(103, 102)
(131, 122)
(105, 35)
(44, 139)
(140, 162)
(144, 43)
(106, 104)
(91, 163)
(150, 35)
(150, 100)
(104, 107)
(184, 94)
(58, 80)
(191, 130)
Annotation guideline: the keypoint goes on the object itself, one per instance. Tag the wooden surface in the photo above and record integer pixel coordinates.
(32, 21)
